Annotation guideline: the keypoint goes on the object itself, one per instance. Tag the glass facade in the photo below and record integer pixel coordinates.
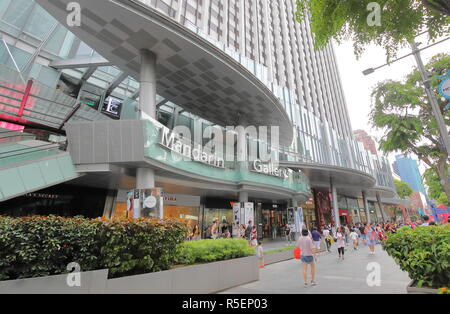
(262, 36)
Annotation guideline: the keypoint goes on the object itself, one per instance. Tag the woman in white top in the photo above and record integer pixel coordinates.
(340, 242)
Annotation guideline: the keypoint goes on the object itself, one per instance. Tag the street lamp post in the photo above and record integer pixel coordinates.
(426, 81)
(431, 97)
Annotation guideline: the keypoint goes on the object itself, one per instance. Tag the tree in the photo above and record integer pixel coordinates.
(403, 189)
(403, 111)
(435, 189)
(399, 21)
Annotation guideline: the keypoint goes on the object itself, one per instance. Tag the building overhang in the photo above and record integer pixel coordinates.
(348, 182)
(191, 72)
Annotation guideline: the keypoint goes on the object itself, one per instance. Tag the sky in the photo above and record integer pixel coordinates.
(358, 87)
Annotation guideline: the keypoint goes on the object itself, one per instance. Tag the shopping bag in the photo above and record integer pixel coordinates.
(297, 253)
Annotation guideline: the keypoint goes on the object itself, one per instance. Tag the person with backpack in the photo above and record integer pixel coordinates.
(328, 239)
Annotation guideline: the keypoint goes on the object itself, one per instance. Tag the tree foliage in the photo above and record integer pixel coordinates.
(435, 188)
(400, 21)
(403, 189)
(403, 111)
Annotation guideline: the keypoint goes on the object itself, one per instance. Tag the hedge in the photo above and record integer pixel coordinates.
(423, 252)
(44, 246)
(207, 251)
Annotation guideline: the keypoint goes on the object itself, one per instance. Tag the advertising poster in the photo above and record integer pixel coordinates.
(299, 221)
(249, 213)
(291, 219)
(236, 219)
(147, 203)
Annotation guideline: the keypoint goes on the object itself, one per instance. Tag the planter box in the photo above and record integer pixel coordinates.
(92, 282)
(198, 279)
(412, 289)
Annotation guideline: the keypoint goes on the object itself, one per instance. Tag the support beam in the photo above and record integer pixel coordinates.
(380, 204)
(145, 177)
(243, 197)
(80, 63)
(88, 73)
(366, 207)
(147, 95)
(335, 205)
(115, 83)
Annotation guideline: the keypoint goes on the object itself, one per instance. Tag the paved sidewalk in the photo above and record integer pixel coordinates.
(332, 275)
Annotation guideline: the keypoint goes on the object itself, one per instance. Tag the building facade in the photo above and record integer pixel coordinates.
(100, 99)
(408, 170)
(367, 140)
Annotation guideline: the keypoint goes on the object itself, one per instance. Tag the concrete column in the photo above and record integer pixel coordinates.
(147, 93)
(366, 207)
(145, 177)
(335, 204)
(294, 202)
(380, 204)
(243, 197)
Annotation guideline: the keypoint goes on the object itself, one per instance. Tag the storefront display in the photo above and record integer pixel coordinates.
(309, 214)
(185, 208)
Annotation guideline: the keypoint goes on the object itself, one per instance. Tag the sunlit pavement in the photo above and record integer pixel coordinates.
(333, 275)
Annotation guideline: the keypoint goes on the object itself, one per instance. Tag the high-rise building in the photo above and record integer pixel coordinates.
(112, 87)
(367, 140)
(408, 170)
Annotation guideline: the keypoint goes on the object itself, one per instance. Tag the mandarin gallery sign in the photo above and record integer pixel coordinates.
(175, 143)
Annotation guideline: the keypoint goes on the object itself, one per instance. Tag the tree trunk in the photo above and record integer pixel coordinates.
(444, 177)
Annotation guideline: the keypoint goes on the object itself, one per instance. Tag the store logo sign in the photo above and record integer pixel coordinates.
(444, 87)
(270, 169)
(176, 144)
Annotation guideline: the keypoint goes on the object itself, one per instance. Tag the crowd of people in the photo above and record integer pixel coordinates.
(354, 234)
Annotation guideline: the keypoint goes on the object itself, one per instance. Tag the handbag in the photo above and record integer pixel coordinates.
(297, 253)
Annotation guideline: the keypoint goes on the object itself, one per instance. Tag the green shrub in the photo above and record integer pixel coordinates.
(284, 249)
(423, 252)
(44, 246)
(207, 251)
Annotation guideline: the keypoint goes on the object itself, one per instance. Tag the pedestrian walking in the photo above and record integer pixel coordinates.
(260, 254)
(362, 229)
(354, 237)
(287, 230)
(308, 256)
(248, 231)
(254, 237)
(316, 237)
(215, 229)
(347, 232)
(328, 239)
(370, 238)
(340, 242)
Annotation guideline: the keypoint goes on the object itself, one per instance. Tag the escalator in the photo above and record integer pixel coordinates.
(29, 164)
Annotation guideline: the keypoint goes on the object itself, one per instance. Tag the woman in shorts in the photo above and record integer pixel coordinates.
(308, 256)
(370, 238)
